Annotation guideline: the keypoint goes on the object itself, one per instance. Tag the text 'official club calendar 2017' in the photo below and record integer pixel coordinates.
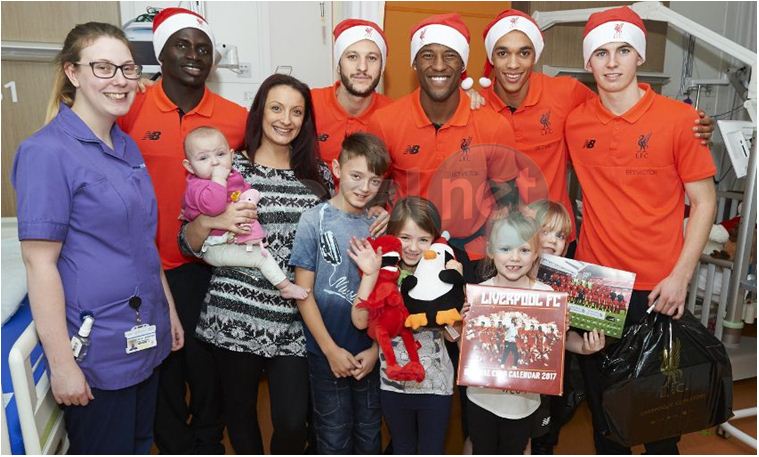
(513, 339)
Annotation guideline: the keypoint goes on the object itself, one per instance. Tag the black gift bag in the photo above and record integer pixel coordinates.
(665, 378)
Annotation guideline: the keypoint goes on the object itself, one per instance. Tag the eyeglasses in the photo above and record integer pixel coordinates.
(107, 70)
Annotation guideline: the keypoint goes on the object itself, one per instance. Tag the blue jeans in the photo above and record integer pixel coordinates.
(347, 412)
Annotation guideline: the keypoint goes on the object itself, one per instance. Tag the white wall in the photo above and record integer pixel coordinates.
(301, 38)
(734, 20)
(267, 35)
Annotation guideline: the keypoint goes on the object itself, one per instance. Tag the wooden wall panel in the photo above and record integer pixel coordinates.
(45, 22)
(19, 120)
(51, 21)
(400, 17)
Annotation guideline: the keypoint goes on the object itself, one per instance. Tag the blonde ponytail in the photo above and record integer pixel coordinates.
(63, 92)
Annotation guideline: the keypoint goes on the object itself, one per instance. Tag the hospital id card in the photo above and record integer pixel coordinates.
(140, 337)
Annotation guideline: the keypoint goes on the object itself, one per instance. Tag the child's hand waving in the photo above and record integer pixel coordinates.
(368, 261)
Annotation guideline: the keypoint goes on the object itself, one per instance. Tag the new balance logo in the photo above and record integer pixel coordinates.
(589, 143)
(152, 135)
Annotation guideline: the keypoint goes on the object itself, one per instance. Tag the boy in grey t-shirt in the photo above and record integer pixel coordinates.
(321, 241)
(341, 359)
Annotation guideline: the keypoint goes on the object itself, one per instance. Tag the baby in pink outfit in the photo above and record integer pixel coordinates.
(211, 186)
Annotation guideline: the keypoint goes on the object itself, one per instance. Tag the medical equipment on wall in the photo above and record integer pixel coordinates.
(139, 32)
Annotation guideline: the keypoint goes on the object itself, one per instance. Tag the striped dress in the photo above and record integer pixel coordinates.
(242, 311)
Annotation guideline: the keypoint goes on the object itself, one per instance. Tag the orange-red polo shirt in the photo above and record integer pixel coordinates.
(154, 123)
(632, 169)
(333, 123)
(539, 128)
(450, 166)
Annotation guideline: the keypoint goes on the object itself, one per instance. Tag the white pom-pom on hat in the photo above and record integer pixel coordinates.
(466, 82)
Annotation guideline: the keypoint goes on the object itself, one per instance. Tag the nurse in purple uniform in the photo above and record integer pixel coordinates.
(87, 224)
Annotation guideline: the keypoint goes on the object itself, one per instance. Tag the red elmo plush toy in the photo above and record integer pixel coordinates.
(387, 313)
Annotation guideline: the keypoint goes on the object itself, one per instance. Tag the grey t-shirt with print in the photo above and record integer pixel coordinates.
(321, 245)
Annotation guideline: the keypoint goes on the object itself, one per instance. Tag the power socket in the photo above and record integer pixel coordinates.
(244, 70)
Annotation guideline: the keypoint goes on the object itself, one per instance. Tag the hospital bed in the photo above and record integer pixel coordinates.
(32, 422)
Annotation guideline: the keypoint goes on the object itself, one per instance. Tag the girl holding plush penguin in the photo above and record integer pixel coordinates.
(500, 422)
(416, 413)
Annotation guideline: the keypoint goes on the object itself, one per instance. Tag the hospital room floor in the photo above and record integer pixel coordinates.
(576, 436)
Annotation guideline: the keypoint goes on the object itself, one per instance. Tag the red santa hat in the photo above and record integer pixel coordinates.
(615, 25)
(446, 29)
(443, 243)
(444, 239)
(172, 20)
(352, 31)
(504, 23)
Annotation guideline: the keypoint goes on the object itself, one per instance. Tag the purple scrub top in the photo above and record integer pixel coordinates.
(99, 202)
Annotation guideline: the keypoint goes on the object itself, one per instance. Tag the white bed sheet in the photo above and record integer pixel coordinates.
(13, 274)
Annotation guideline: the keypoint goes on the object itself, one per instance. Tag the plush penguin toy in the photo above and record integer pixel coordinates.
(433, 294)
(387, 314)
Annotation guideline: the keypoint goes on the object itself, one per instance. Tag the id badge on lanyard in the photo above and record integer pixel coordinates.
(141, 336)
